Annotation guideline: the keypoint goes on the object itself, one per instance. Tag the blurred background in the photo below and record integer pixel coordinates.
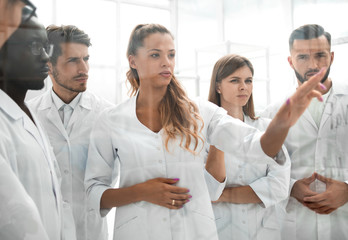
(204, 31)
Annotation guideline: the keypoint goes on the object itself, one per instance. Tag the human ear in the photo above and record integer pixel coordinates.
(131, 60)
(290, 62)
(218, 90)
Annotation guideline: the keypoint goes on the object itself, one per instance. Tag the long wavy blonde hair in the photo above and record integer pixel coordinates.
(179, 115)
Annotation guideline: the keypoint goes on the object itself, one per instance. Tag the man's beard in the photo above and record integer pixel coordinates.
(303, 79)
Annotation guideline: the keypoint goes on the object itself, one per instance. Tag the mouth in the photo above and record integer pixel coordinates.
(81, 79)
(242, 96)
(310, 74)
(44, 70)
(166, 74)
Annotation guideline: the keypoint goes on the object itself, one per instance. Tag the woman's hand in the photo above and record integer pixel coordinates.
(294, 107)
(289, 113)
(161, 191)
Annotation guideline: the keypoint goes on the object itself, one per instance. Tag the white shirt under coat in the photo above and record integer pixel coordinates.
(120, 141)
(269, 181)
(70, 146)
(324, 150)
(25, 148)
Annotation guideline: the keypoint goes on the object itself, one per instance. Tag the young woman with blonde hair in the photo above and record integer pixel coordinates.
(154, 142)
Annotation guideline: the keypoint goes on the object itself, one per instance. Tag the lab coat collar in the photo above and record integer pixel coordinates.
(339, 88)
(86, 100)
(10, 107)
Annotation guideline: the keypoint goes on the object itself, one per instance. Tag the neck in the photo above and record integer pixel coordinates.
(150, 98)
(64, 94)
(234, 111)
(15, 93)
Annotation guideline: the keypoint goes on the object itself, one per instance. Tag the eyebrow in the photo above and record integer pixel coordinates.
(158, 50)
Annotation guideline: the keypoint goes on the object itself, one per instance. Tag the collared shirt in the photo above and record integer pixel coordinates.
(70, 145)
(323, 150)
(61, 106)
(114, 145)
(25, 147)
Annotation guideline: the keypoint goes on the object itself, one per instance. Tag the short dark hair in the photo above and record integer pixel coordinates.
(308, 31)
(65, 34)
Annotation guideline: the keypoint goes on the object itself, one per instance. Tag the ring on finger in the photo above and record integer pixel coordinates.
(173, 202)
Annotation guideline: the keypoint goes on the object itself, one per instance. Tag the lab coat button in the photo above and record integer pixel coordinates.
(66, 171)
(160, 161)
(158, 148)
(164, 219)
(243, 222)
(240, 176)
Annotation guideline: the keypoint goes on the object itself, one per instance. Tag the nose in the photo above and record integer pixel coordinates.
(44, 56)
(313, 63)
(83, 67)
(166, 61)
(242, 86)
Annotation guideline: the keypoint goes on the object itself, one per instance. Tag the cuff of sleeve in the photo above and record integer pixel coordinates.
(255, 186)
(292, 182)
(95, 199)
(215, 187)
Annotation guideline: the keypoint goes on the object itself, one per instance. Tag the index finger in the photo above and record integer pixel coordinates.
(312, 82)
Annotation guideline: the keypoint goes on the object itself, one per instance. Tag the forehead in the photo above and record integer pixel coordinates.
(243, 72)
(158, 40)
(31, 30)
(319, 44)
(74, 49)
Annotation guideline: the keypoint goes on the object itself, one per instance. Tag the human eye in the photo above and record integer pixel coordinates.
(234, 80)
(72, 60)
(249, 80)
(172, 55)
(302, 57)
(321, 55)
(154, 55)
(86, 59)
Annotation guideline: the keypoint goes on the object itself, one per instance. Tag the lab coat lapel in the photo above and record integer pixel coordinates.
(85, 104)
(329, 109)
(48, 108)
(308, 117)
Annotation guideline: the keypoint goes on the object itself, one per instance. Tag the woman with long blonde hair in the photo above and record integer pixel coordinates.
(154, 140)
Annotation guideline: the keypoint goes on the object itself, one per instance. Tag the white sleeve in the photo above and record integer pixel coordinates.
(102, 163)
(274, 187)
(215, 187)
(231, 135)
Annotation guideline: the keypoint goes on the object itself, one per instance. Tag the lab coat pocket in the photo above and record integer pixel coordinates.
(288, 221)
(222, 221)
(270, 227)
(268, 218)
(130, 223)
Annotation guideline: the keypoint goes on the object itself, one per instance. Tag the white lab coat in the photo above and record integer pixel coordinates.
(25, 147)
(19, 218)
(270, 182)
(70, 147)
(325, 151)
(119, 140)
